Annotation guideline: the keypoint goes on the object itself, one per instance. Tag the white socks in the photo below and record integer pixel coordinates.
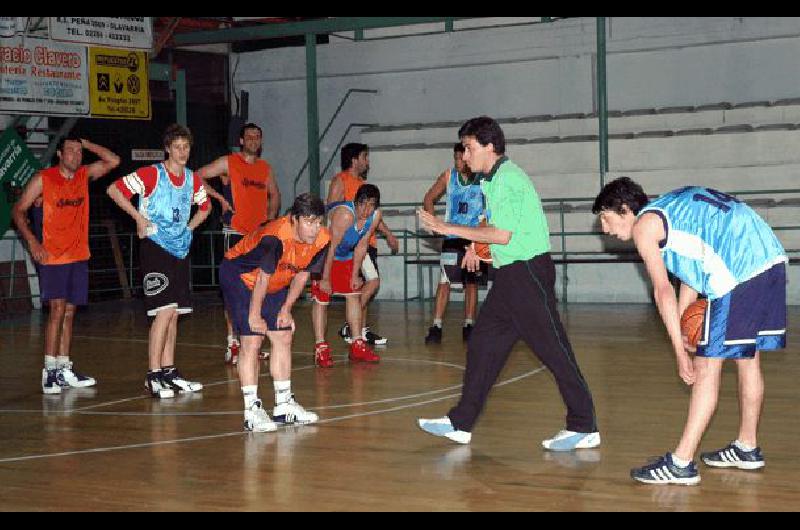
(50, 362)
(742, 446)
(250, 394)
(283, 391)
(437, 322)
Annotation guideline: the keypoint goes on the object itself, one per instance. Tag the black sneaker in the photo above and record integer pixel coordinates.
(344, 332)
(434, 335)
(156, 386)
(466, 331)
(50, 383)
(732, 456)
(664, 471)
(374, 338)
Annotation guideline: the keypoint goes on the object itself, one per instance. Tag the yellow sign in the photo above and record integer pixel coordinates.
(119, 84)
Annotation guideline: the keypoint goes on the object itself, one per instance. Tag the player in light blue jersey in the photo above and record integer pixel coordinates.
(718, 247)
(465, 206)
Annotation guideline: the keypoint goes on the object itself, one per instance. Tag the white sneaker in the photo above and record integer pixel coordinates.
(256, 419)
(175, 380)
(68, 377)
(569, 440)
(291, 412)
(443, 427)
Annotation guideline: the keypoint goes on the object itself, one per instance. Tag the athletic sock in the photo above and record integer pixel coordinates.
(283, 391)
(679, 462)
(50, 362)
(250, 395)
(744, 447)
(437, 322)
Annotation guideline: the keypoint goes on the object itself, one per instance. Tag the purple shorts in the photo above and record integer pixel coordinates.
(69, 281)
(237, 301)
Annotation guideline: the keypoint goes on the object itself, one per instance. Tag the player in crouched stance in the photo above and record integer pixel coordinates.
(261, 278)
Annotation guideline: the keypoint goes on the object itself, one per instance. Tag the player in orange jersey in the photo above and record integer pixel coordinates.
(262, 277)
(63, 253)
(250, 197)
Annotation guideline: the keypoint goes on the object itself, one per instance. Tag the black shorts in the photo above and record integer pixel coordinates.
(165, 279)
(453, 251)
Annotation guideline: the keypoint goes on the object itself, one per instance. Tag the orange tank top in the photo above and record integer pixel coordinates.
(295, 258)
(65, 233)
(249, 190)
(351, 184)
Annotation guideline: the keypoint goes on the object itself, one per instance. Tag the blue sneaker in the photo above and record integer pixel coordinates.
(664, 471)
(50, 381)
(569, 440)
(732, 456)
(443, 427)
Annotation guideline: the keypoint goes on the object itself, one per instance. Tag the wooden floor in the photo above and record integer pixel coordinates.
(113, 448)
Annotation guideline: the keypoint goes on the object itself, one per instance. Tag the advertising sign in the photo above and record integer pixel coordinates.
(119, 84)
(134, 33)
(43, 77)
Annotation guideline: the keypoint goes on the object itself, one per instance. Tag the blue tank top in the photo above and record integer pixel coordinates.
(464, 204)
(714, 241)
(344, 250)
(168, 207)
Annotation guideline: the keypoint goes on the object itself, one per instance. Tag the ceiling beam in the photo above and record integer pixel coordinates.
(287, 29)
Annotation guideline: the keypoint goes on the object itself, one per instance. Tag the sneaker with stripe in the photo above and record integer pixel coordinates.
(256, 419)
(290, 412)
(664, 471)
(732, 456)
(69, 377)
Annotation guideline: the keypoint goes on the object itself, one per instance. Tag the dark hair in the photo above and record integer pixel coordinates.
(351, 151)
(249, 126)
(367, 192)
(67, 138)
(307, 205)
(486, 131)
(618, 192)
(176, 131)
(458, 147)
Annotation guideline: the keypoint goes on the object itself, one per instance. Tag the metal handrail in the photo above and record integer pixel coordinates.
(328, 127)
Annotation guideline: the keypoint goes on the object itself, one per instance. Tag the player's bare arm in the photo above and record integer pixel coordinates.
(434, 193)
(216, 169)
(274, 199)
(254, 318)
(647, 232)
(108, 159)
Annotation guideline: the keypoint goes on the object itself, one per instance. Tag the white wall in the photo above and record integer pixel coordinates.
(517, 71)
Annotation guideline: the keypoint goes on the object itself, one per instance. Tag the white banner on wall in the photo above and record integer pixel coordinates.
(10, 26)
(134, 33)
(43, 77)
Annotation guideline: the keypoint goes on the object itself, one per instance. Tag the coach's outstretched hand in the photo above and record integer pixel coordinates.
(431, 223)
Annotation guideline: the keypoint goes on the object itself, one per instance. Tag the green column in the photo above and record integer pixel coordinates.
(180, 97)
(602, 97)
(312, 112)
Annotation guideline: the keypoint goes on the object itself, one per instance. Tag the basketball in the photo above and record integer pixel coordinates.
(482, 250)
(692, 321)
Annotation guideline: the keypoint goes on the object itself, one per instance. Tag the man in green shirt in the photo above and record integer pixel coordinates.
(521, 304)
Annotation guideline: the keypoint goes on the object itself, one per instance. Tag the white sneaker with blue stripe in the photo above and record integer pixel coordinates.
(569, 440)
(443, 427)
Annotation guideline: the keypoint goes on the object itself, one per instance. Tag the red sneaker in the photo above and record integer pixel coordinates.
(322, 355)
(232, 353)
(360, 351)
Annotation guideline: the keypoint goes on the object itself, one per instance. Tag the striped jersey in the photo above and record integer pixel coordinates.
(714, 241)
